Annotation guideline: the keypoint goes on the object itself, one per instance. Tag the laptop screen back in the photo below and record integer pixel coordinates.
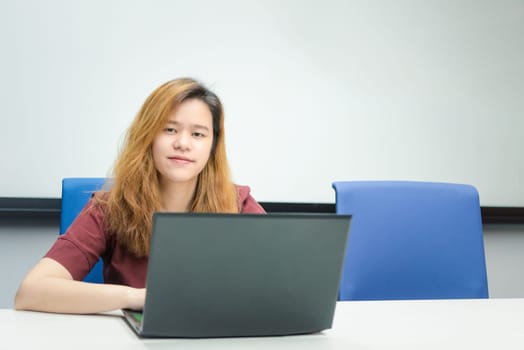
(222, 275)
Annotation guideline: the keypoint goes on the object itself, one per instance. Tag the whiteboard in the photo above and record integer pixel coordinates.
(314, 91)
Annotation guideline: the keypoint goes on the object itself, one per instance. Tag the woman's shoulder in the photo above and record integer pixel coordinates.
(246, 201)
(96, 206)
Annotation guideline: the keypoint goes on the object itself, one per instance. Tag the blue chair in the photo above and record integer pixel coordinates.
(412, 240)
(75, 195)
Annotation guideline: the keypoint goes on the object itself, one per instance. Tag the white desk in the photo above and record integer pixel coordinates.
(443, 325)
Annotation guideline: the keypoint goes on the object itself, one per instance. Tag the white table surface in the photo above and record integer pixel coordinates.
(435, 324)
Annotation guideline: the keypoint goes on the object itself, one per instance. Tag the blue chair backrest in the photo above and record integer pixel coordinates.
(76, 192)
(412, 240)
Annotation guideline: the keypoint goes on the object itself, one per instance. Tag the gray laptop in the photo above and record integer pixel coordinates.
(229, 275)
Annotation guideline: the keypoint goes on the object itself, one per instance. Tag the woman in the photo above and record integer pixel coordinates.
(173, 159)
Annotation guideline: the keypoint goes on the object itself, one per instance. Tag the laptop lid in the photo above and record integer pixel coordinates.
(225, 275)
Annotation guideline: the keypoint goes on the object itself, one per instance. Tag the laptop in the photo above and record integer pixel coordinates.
(231, 275)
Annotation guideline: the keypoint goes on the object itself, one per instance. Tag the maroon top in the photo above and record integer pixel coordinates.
(86, 240)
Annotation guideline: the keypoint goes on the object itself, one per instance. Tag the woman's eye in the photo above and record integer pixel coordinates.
(198, 134)
(170, 130)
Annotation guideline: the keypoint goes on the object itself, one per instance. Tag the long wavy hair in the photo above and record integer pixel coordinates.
(134, 194)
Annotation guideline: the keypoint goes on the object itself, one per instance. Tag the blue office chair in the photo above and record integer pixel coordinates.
(412, 240)
(75, 195)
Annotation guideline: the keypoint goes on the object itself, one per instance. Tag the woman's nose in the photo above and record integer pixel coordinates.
(181, 141)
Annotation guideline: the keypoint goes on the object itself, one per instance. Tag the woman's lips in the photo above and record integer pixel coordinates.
(180, 160)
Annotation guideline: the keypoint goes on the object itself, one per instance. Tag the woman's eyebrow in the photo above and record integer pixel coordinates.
(194, 126)
(198, 126)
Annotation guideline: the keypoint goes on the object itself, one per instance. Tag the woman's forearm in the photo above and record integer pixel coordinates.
(50, 288)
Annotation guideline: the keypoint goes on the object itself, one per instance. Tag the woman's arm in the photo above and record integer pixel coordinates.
(50, 287)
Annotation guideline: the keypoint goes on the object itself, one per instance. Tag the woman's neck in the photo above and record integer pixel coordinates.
(176, 197)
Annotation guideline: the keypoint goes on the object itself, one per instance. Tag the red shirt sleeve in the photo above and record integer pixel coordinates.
(248, 205)
(85, 241)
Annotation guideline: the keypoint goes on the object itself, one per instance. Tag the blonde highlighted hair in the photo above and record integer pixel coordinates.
(135, 193)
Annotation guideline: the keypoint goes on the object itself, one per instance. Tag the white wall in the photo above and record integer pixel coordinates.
(504, 245)
(23, 242)
(315, 91)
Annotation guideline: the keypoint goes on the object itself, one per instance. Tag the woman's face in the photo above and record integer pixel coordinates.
(181, 150)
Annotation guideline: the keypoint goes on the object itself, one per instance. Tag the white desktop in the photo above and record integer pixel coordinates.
(420, 324)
